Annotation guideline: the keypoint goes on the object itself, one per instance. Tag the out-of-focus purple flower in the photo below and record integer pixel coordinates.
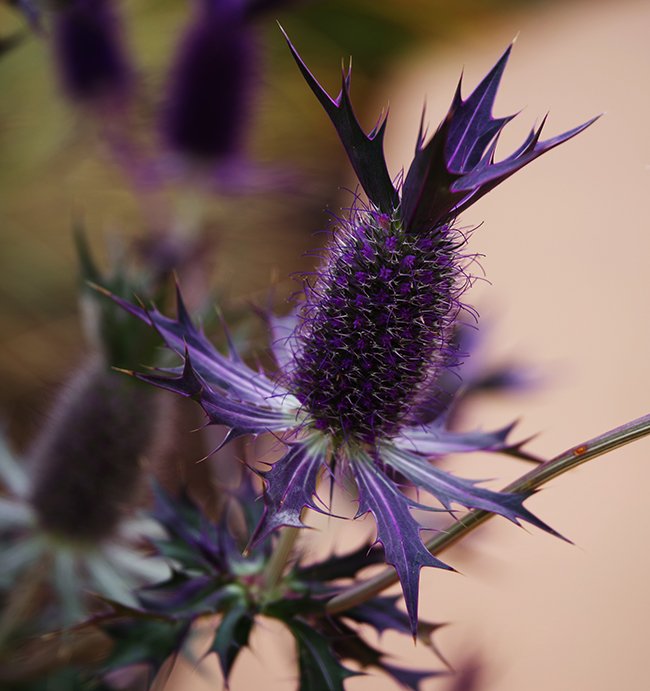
(86, 463)
(68, 504)
(209, 94)
(72, 502)
(372, 338)
(90, 56)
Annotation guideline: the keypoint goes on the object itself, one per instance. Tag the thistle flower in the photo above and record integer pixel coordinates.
(71, 502)
(85, 465)
(210, 86)
(68, 502)
(92, 63)
(372, 338)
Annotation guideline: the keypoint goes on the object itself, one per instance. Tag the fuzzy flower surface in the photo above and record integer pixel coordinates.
(357, 391)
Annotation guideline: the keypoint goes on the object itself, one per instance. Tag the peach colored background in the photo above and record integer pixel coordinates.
(567, 245)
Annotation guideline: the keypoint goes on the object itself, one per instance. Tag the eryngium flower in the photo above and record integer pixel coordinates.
(86, 463)
(357, 388)
(209, 91)
(91, 60)
(67, 505)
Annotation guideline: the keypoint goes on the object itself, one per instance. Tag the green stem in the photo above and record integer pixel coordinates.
(575, 456)
(278, 561)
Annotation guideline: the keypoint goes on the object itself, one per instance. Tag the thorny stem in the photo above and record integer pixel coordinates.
(536, 477)
(280, 557)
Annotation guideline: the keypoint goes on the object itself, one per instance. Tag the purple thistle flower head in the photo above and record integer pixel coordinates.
(91, 60)
(372, 340)
(210, 86)
(86, 463)
(376, 326)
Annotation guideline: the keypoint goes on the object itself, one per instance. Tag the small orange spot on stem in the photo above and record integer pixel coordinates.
(579, 450)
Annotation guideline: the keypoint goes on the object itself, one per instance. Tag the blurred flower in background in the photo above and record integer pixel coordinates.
(92, 62)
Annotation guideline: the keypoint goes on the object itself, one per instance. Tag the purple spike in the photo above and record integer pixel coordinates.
(383, 614)
(365, 151)
(214, 368)
(456, 167)
(472, 126)
(291, 486)
(447, 489)
(242, 417)
(436, 440)
(481, 181)
(397, 530)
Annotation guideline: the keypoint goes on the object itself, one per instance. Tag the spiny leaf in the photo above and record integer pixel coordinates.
(447, 488)
(365, 151)
(231, 636)
(341, 565)
(290, 486)
(319, 668)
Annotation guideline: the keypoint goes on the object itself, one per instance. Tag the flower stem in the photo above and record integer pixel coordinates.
(280, 557)
(536, 477)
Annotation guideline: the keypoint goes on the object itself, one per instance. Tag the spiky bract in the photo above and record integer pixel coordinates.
(210, 577)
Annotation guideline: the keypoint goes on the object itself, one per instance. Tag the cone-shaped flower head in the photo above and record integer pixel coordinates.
(211, 79)
(360, 366)
(71, 504)
(92, 62)
(67, 506)
(86, 462)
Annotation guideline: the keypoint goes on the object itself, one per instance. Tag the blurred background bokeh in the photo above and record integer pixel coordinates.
(566, 245)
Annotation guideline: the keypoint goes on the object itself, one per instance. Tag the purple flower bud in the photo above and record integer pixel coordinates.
(86, 462)
(209, 91)
(90, 57)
